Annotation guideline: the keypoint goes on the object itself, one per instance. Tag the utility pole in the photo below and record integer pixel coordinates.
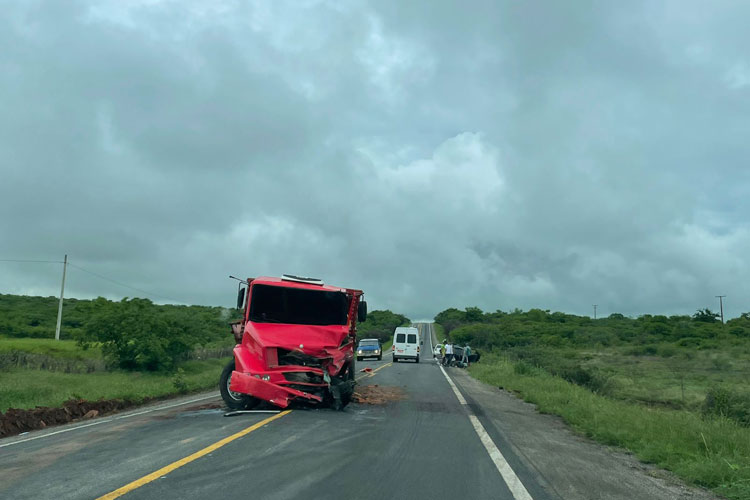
(594, 311)
(62, 293)
(721, 306)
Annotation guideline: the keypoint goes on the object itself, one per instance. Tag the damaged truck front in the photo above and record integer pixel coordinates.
(295, 343)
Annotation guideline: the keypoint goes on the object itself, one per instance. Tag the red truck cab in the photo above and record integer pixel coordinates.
(295, 343)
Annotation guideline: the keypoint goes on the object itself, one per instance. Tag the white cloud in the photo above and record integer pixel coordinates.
(738, 76)
(434, 155)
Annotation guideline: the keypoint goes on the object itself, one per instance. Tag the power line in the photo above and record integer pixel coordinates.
(26, 260)
(100, 276)
(122, 284)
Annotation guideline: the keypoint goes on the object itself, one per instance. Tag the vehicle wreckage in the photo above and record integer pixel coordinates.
(295, 343)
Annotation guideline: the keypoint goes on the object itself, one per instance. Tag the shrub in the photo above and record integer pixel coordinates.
(666, 351)
(523, 368)
(135, 335)
(642, 350)
(179, 382)
(723, 402)
(380, 325)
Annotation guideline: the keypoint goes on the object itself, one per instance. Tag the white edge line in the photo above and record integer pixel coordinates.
(514, 484)
(165, 407)
(453, 386)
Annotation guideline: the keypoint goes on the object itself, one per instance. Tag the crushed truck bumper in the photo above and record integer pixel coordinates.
(268, 391)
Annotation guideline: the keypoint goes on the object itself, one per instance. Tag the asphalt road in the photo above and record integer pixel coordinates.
(440, 441)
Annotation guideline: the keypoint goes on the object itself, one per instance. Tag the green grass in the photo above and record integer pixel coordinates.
(439, 331)
(713, 453)
(24, 388)
(49, 347)
(658, 374)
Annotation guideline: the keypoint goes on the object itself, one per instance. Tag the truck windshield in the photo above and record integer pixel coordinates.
(276, 304)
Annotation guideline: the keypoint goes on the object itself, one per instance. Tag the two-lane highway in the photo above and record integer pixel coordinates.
(438, 441)
(366, 451)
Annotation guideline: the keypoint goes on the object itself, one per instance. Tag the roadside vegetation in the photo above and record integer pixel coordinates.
(380, 325)
(673, 390)
(131, 349)
(26, 388)
(23, 316)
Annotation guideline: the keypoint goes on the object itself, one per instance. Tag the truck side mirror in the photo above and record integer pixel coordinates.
(240, 298)
(362, 311)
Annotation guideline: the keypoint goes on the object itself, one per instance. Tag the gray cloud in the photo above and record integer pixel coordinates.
(499, 154)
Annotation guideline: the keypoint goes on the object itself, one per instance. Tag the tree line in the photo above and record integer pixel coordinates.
(135, 333)
(537, 327)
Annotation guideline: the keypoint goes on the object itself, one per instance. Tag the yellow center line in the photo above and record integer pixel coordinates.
(372, 373)
(183, 461)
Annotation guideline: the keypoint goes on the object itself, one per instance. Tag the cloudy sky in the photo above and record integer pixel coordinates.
(494, 153)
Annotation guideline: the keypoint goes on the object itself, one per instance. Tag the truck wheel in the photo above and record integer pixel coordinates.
(342, 388)
(234, 400)
(359, 359)
(417, 360)
(395, 359)
(380, 358)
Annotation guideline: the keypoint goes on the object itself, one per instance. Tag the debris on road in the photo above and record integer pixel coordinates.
(204, 406)
(376, 395)
(366, 370)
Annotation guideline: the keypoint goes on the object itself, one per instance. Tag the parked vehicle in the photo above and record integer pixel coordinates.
(369, 348)
(406, 344)
(295, 343)
(458, 355)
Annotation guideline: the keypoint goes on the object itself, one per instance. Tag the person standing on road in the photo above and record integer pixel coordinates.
(467, 353)
(442, 351)
(448, 354)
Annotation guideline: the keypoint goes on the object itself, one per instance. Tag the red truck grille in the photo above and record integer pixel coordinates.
(298, 358)
(304, 377)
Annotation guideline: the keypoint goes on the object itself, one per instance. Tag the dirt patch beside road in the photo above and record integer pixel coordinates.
(377, 395)
(15, 421)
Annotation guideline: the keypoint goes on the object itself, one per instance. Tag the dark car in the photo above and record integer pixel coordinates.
(369, 348)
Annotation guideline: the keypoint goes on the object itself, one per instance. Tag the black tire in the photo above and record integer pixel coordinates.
(359, 359)
(395, 359)
(380, 358)
(417, 359)
(343, 385)
(234, 400)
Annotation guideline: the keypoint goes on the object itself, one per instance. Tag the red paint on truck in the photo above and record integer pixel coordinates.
(285, 353)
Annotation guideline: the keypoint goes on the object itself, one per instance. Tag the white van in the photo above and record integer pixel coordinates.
(406, 343)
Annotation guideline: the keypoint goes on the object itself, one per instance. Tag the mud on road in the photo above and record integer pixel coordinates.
(377, 395)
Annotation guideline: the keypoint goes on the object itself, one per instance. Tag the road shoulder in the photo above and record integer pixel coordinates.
(573, 466)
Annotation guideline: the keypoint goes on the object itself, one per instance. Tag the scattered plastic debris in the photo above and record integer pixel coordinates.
(366, 370)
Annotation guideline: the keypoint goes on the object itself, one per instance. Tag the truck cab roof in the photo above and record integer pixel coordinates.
(296, 282)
